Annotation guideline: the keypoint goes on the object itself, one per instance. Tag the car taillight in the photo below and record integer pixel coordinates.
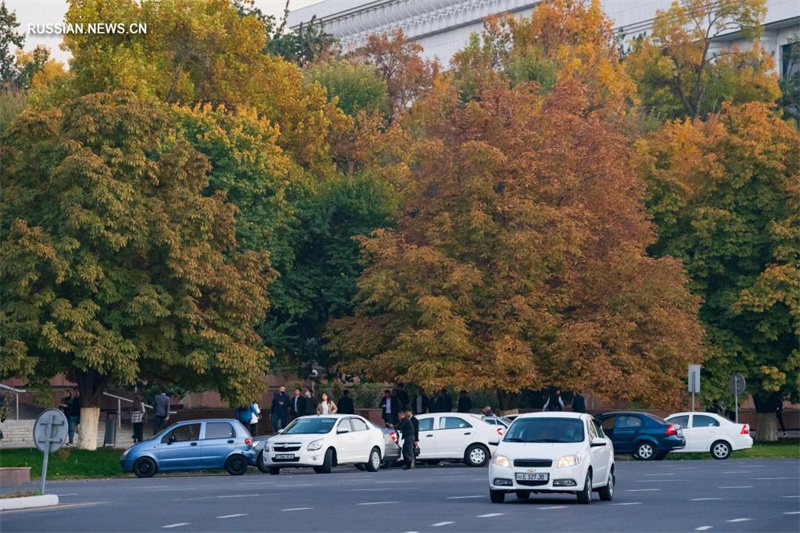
(745, 430)
(393, 436)
(501, 430)
(672, 430)
(248, 441)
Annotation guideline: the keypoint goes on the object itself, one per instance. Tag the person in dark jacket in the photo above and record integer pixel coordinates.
(74, 418)
(421, 403)
(406, 428)
(579, 403)
(445, 402)
(464, 404)
(297, 404)
(415, 422)
(345, 404)
(160, 411)
(311, 405)
(554, 401)
(279, 409)
(402, 395)
(389, 408)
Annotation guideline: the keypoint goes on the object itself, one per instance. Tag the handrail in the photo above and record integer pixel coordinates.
(16, 398)
(12, 388)
(121, 399)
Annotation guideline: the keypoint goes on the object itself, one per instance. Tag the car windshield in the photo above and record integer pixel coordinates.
(545, 430)
(310, 425)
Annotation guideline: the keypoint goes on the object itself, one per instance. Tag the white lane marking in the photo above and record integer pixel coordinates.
(68, 494)
(231, 515)
(660, 480)
(665, 474)
(772, 478)
(238, 496)
(705, 499)
(374, 489)
(386, 482)
(377, 503)
(628, 503)
(641, 490)
(737, 487)
(736, 472)
(483, 496)
(299, 485)
(792, 512)
(703, 528)
(297, 509)
(552, 507)
(792, 496)
(489, 515)
(440, 524)
(734, 520)
(179, 524)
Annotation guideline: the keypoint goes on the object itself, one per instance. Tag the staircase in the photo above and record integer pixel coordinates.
(19, 434)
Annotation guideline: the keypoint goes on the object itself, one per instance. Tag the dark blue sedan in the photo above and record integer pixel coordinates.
(193, 445)
(643, 435)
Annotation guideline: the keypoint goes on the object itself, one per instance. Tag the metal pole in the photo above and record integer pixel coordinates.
(693, 401)
(736, 397)
(16, 399)
(49, 435)
(119, 413)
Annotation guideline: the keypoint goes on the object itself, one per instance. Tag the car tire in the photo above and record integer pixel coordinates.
(374, 463)
(477, 455)
(236, 465)
(523, 494)
(274, 471)
(607, 492)
(720, 450)
(645, 451)
(327, 463)
(497, 496)
(261, 464)
(144, 467)
(585, 495)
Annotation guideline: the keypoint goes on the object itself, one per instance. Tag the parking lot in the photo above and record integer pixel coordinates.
(733, 495)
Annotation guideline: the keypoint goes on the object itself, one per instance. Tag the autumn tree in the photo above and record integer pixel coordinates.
(354, 87)
(681, 72)
(726, 198)
(115, 263)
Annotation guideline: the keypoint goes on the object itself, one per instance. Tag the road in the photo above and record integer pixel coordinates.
(733, 495)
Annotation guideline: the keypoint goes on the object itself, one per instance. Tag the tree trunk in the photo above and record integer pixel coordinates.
(91, 385)
(766, 420)
(508, 400)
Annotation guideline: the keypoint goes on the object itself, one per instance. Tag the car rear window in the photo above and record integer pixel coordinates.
(219, 430)
(310, 425)
(545, 430)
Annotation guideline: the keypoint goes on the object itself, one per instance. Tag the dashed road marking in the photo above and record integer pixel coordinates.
(773, 478)
(628, 503)
(703, 528)
(231, 515)
(179, 524)
(377, 503)
(736, 472)
(661, 480)
(641, 490)
(552, 507)
(738, 487)
(792, 496)
(296, 509)
(734, 520)
(465, 497)
(238, 496)
(705, 499)
(792, 512)
(489, 515)
(440, 524)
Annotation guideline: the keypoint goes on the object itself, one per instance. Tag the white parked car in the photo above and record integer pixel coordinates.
(325, 441)
(553, 452)
(709, 432)
(456, 436)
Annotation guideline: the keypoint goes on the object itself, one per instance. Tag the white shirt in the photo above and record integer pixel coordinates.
(324, 408)
(255, 411)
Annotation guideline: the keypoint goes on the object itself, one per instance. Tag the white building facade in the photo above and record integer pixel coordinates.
(443, 27)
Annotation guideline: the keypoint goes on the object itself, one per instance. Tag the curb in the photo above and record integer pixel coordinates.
(28, 502)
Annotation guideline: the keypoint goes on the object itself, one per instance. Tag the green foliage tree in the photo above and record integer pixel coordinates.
(8, 37)
(115, 262)
(790, 81)
(355, 87)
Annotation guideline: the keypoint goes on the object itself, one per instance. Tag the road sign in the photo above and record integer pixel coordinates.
(694, 378)
(737, 385)
(49, 435)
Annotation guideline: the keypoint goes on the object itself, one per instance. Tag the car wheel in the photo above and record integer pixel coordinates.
(585, 495)
(476, 455)
(374, 463)
(236, 465)
(326, 464)
(645, 451)
(261, 463)
(523, 494)
(607, 492)
(144, 467)
(497, 496)
(720, 450)
(274, 471)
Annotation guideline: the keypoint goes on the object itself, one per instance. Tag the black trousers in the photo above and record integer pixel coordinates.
(138, 431)
(408, 453)
(158, 423)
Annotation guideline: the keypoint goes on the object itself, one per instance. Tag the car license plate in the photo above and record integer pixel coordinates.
(532, 477)
(280, 456)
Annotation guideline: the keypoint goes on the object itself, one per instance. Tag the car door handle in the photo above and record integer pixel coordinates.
(429, 436)
(468, 433)
(230, 442)
(193, 444)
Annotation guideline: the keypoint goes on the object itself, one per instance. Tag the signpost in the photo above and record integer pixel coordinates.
(49, 435)
(694, 381)
(737, 384)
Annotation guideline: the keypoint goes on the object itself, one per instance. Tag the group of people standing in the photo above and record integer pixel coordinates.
(285, 408)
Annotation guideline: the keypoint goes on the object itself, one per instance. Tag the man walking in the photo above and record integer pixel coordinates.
(160, 411)
(579, 403)
(415, 422)
(297, 406)
(74, 414)
(406, 428)
(345, 404)
(279, 409)
(311, 405)
(389, 407)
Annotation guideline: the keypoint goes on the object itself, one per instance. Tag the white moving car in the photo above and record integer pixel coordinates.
(553, 452)
(325, 441)
(708, 432)
(456, 436)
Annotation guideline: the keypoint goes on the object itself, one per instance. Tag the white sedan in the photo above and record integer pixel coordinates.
(554, 452)
(325, 441)
(456, 436)
(708, 432)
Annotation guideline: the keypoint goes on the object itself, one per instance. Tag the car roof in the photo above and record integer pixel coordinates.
(643, 413)
(552, 414)
(687, 413)
(198, 420)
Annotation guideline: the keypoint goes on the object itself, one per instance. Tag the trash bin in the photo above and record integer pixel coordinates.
(110, 438)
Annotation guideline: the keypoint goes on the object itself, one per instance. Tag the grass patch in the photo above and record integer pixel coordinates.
(23, 494)
(65, 463)
(784, 449)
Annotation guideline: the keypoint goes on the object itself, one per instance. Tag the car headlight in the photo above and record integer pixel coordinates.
(567, 460)
(314, 445)
(501, 460)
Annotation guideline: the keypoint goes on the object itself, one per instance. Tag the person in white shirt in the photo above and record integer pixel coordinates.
(255, 416)
(326, 406)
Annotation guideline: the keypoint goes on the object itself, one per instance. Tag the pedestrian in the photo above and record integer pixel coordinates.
(297, 405)
(74, 418)
(326, 406)
(346, 406)
(406, 428)
(279, 409)
(487, 411)
(446, 402)
(421, 403)
(137, 418)
(415, 422)
(66, 400)
(464, 404)
(554, 401)
(311, 405)
(779, 415)
(255, 416)
(579, 403)
(389, 407)
(160, 411)
(402, 396)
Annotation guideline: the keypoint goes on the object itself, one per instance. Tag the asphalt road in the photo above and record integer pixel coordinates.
(733, 495)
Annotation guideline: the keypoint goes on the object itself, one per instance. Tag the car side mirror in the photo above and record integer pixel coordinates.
(598, 442)
(342, 430)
